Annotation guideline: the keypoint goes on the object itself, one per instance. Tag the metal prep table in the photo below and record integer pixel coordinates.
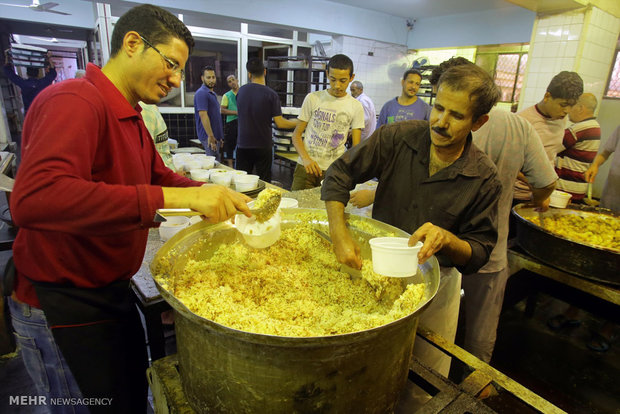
(519, 260)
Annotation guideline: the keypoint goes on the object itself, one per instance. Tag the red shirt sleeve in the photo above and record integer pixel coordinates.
(86, 172)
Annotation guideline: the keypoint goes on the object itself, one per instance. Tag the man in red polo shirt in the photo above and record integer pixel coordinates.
(84, 198)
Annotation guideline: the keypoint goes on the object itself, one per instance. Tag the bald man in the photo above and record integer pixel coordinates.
(581, 142)
(370, 114)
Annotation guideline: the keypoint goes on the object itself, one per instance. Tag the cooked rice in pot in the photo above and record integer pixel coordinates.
(293, 288)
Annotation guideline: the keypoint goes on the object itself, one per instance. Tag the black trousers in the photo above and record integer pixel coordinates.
(259, 159)
(100, 335)
(230, 139)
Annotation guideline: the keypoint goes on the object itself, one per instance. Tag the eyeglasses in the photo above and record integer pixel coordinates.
(172, 65)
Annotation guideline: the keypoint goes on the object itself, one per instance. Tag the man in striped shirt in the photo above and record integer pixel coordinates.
(581, 142)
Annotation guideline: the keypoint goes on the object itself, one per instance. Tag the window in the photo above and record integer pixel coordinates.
(613, 85)
(509, 71)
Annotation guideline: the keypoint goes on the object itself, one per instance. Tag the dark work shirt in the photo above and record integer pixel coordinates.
(461, 198)
(30, 87)
(256, 106)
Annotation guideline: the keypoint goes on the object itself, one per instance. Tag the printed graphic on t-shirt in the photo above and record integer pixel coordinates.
(404, 114)
(328, 133)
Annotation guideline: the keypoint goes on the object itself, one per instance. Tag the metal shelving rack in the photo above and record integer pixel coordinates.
(293, 77)
(426, 90)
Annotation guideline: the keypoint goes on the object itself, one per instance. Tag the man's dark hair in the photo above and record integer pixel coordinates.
(154, 23)
(566, 85)
(412, 72)
(206, 68)
(32, 72)
(483, 93)
(255, 67)
(340, 62)
(444, 66)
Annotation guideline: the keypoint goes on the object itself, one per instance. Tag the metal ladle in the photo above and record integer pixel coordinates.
(588, 200)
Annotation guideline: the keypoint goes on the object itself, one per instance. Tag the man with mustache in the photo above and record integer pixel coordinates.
(434, 184)
(406, 106)
(207, 113)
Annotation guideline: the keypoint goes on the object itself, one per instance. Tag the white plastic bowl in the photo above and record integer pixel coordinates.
(246, 182)
(236, 174)
(172, 226)
(289, 203)
(179, 161)
(218, 170)
(391, 256)
(208, 162)
(221, 178)
(200, 175)
(559, 199)
(192, 164)
(259, 235)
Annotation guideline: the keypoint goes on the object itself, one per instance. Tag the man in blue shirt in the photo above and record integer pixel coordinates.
(207, 113)
(406, 106)
(33, 85)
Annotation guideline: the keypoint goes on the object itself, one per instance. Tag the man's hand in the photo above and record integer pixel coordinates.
(542, 206)
(434, 238)
(346, 250)
(591, 173)
(212, 142)
(216, 203)
(311, 166)
(362, 198)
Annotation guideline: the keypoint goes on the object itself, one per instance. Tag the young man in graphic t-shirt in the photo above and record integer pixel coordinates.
(326, 117)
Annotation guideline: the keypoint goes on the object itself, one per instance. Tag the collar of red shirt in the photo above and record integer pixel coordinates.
(115, 99)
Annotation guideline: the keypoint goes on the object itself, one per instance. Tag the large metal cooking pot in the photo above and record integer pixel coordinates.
(225, 370)
(596, 263)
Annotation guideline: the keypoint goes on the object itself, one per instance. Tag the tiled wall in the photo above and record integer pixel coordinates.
(583, 41)
(181, 127)
(380, 73)
(598, 39)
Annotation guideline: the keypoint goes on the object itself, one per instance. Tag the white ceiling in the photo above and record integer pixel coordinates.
(425, 8)
(408, 9)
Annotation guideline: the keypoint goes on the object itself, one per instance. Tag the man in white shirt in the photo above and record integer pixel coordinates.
(370, 114)
(326, 117)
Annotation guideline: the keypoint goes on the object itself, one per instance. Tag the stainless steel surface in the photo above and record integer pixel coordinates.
(232, 371)
(592, 262)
